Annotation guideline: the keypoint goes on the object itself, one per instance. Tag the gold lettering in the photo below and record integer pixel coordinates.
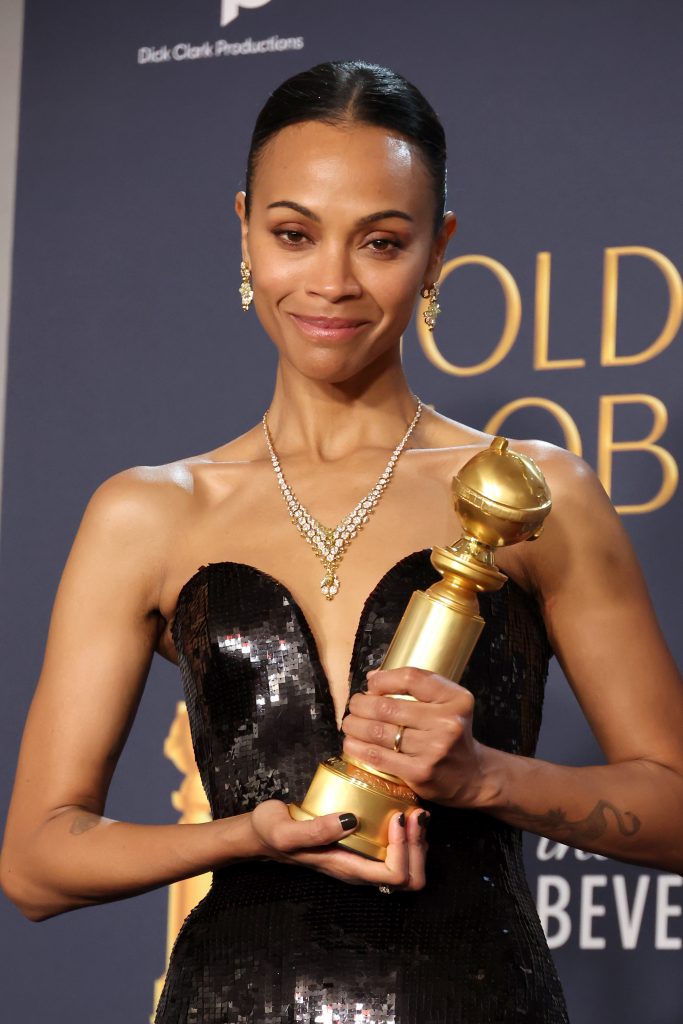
(607, 445)
(542, 321)
(570, 430)
(513, 317)
(608, 343)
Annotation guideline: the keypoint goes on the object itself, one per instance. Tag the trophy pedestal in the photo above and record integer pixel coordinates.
(341, 784)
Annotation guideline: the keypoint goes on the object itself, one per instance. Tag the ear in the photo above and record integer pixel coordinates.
(241, 211)
(436, 257)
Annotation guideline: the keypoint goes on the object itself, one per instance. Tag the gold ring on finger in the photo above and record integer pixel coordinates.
(397, 738)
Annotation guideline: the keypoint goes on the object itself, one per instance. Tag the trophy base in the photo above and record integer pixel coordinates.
(340, 785)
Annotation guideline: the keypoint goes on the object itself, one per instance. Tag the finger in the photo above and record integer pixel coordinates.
(427, 689)
(394, 871)
(349, 867)
(420, 683)
(401, 764)
(384, 708)
(377, 719)
(416, 834)
(410, 740)
(396, 862)
(328, 828)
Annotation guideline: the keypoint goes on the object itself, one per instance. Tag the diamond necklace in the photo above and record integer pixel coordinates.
(330, 543)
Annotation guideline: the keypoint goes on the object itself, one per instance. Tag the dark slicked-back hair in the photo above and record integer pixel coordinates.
(339, 92)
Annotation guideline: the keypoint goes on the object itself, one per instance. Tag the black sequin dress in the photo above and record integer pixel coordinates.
(278, 944)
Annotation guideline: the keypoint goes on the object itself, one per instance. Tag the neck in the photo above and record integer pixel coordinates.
(325, 422)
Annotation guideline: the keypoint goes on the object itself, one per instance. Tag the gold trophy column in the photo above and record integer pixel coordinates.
(501, 498)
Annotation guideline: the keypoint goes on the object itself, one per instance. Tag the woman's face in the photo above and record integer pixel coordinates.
(340, 239)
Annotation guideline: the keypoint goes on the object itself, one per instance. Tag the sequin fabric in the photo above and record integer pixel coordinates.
(280, 944)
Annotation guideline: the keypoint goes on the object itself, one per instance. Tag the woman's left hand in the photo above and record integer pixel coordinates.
(438, 757)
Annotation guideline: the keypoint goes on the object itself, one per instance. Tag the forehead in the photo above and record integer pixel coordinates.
(352, 166)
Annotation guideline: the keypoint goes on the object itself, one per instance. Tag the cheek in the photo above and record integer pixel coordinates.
(274, 272)
(277, 278)
(395, 291)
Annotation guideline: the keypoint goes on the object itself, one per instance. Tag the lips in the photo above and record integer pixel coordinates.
(328, 328)
(330, 322)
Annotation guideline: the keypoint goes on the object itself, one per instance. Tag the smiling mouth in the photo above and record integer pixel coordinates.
(328, 321)
(328, 327)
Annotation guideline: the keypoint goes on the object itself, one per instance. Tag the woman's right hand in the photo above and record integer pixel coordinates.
(311, 843)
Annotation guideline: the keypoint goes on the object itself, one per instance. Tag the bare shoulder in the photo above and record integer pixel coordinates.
(148, 505)
(141, 499)
(134, 516)
(573, 483)
(583, 526)
(583, 535)
(569, 477)
(126, 536)
(455, 442)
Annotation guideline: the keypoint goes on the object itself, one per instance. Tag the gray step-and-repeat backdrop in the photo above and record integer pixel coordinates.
(128, 346)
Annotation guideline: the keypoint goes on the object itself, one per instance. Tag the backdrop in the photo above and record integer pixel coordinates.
(129, 346)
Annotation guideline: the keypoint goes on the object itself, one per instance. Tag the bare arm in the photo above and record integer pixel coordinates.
(60, 852)
(606, 637)
(605, 634)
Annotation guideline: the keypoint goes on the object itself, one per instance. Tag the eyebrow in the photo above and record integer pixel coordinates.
(369, 219)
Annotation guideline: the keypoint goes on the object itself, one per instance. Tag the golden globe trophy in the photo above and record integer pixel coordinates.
(501, 498)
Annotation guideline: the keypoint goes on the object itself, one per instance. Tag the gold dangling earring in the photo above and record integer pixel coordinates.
(245, 289)
(433, 308)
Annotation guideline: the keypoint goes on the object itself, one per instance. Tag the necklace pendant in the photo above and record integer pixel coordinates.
(330, 543)
(330, 584)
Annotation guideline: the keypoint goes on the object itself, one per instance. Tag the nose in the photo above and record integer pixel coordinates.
(331, 276)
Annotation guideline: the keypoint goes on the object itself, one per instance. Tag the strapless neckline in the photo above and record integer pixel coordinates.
(307, 632)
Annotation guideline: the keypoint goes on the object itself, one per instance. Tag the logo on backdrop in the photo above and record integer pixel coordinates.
(231, 8)
(206, 49)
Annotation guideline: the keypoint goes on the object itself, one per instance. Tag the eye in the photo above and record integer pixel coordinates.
(384, 245)
(290, 237)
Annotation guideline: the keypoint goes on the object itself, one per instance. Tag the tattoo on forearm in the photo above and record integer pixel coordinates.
(83, 822)
(592, 827)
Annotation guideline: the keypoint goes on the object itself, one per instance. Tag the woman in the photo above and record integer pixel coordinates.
(343, 225)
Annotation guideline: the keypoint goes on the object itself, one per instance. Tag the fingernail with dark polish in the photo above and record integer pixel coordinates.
(348, 821)
(402, 819)
(422, 819)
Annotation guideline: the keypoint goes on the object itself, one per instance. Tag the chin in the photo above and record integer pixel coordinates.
(335, 364)
(327, 374)
(325, 363)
